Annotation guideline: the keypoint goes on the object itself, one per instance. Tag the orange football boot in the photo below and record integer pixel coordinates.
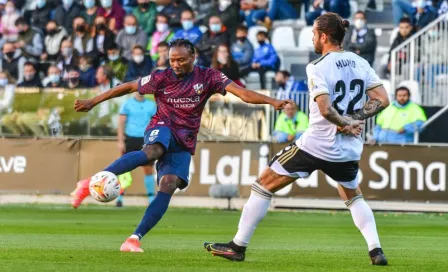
(131, 245)
(80, 193)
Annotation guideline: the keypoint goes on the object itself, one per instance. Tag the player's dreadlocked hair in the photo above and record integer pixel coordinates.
(333, 26)
(183, 43)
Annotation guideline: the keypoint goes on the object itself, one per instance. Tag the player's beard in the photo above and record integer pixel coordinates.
(318, 47)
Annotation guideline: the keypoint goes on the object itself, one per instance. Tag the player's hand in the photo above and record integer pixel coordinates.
(121, 146)
(84, 105)
(354, 128)
(280, 104)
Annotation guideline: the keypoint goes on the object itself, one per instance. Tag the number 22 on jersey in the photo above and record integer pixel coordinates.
(346, 101)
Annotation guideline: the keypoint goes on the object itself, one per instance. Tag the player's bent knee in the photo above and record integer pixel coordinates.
(169, 184)
(153, 151)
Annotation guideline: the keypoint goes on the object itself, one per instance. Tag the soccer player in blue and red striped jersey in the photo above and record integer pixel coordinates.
(181, 93)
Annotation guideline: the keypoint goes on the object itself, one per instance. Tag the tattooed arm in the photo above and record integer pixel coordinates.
(378, 101)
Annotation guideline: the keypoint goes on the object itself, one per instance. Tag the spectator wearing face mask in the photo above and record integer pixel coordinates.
(103, 39)
(130, 36)
(118, 64)
(174, 11)
(89, 13)
(265, 58)
(140, 66)
(52, 41)
(162, 61)
(54, 77)
(189, 30)
(114, 13)
(8, 27)
(82, 41)
(146, 13)
(223, 61)
(242, 51)
(73, 79)
(68, 57)
(39, 16)
(87, 72)
(228, 12)
(162, 34)
(29, 40)
(360, 39)
(12, 61)
(215, 36)
(30, 76)
(65, 13)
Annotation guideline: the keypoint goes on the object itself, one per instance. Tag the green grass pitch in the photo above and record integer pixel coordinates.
(57, 238)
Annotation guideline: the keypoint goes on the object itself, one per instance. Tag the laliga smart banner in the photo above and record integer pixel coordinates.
(410, 173)
(38, 165)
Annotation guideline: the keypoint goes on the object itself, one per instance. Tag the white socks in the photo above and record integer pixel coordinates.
(253, 212)
(363, 217)
(133, 236)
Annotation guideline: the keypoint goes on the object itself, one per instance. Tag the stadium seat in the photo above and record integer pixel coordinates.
(252, 35)
(306, 38)
(283, 38)
(298, 71)
(412, 85)
(393, 35)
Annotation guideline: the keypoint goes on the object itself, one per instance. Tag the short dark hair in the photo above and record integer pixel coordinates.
(164, 16)
(285, 73)
(405, 20)
(183, 43)
(163, 44)
(262, 32)
(20, 21)
(403, 88)
(333, 25)
(113, 46)
(138, 47)
(29, 63)
(361, 12)
(190, 11)
(72, 68)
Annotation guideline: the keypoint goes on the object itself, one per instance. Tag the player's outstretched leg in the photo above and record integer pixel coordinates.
(125, 163)
(365, 221)
(154, 212)
(253, 212)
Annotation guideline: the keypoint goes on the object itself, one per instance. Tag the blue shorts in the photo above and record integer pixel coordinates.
(175, 161)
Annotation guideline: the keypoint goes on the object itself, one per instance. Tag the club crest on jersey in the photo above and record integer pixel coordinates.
(198, 88)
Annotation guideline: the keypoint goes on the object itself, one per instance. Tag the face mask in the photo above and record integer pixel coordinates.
(130, 29)
(101, 27)
(52, 32)
(74, 80)
(81, 28)
(22, 32)
(138, 58)
(3, 82)
(113, 57)
(359, 23)
(195, 61)
(54, 78)
(10, 10)
(241, 39)
(161, 27)
(261, 43)
(40, 3)
(67, 3)
(89, 3)
(10, 55)
(223, 4)
(215, 28)
(222, 59)
(29, 76)
(106, 3)
(67, 52)
(187, 25)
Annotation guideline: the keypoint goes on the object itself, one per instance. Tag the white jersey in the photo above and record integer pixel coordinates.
(345, 77)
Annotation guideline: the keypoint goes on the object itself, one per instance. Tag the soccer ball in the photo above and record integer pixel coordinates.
(104, 186)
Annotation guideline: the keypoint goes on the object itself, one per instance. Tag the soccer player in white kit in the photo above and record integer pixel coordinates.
(338, 82)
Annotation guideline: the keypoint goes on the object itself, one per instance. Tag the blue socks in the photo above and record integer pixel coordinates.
(128, 162)
(150, 187)
(153, 213)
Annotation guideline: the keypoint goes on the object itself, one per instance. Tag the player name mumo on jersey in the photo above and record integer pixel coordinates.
(345, 63)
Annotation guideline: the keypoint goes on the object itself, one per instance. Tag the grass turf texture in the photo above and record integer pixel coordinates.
(57, 238)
